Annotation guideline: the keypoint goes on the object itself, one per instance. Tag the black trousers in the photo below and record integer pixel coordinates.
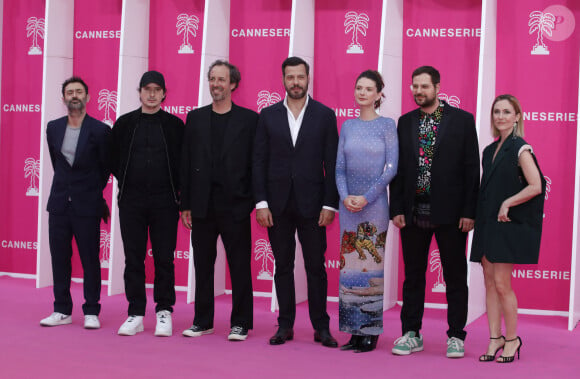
(451, 242)
(237, 240)
(86, 231)
(160, 224)
(312, 237)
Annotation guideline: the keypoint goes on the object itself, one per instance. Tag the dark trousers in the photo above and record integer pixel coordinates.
(312, 237)
(161, 226)
(237, 240)
(86, 231)
(451, 242)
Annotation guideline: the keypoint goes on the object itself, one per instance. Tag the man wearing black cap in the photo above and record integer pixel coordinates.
(145, 156)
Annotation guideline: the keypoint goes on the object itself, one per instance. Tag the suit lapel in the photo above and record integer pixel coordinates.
(486, 162)
(283, 122)
(501, 154)
(59, 137)
(415, 131)
(83, 138)
(306, 125)
(204, 128)
(443, 125)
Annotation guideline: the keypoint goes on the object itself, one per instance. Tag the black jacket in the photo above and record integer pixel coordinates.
(122, 137)
(81, 185)
(237, 161)
(454, 173)
(307, 168)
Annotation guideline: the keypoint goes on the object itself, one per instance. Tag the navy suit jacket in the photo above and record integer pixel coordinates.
(308, 168)
(81, 185)
(454, 171)
(196, 164)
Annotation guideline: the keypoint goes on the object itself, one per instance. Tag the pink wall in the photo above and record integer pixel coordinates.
(443, 34)
(19, 152)
(546, 86)
(175, 42)
(340, 55)
(259, 41)
(97, 32)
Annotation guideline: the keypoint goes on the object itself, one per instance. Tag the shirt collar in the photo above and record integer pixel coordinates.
(303, 108)
(436, 115)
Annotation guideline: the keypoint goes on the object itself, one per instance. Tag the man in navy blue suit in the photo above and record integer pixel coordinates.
(293, 175)
(78, 147)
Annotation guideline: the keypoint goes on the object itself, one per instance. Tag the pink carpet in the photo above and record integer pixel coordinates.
(31, 351)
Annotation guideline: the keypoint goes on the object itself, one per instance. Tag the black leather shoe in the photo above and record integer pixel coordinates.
(281, 336)
(368, 343)
(325, 338)
(352, 344)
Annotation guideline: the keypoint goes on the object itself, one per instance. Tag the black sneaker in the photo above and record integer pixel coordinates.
(196, 331)
(238, 333)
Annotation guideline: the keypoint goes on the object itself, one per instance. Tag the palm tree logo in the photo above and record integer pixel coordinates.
(355, 23)
(35, 29)
(452, 100)
(186, 25)
(435, 265)
(263, 251)
(105, 245)
(541, 23)
(32, 171)
(108, 101)
(267, 98)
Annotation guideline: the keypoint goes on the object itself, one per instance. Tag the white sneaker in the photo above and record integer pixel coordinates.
(131, 326)
(409, 343)
(455, 348)
(92, 322)
(56, 319)
(164, 327)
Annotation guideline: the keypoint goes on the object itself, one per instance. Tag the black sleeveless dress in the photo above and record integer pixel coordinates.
(517, 241)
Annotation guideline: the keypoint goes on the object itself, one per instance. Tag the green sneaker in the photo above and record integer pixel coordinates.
(455, 348)
(408, 343)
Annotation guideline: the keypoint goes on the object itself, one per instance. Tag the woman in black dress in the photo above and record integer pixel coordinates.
(508, 224)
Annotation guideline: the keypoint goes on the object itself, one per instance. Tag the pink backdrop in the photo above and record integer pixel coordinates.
(259, 42)
(175, 41)
(22, 49)
(443, 34)
(545, 79)
(346, 42)
(97, 32)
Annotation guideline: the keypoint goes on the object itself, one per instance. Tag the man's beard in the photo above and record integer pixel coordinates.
(299, 95)
(77, 105)
(427, 102)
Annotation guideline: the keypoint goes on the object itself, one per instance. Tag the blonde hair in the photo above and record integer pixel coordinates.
(519, 129)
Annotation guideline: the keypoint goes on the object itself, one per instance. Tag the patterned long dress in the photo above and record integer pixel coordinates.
(368, 153)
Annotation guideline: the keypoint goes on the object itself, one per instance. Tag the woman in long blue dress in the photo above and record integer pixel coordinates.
(367, 159)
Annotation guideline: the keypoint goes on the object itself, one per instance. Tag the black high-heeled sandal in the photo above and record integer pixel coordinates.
(489, 358)
(504, 359)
